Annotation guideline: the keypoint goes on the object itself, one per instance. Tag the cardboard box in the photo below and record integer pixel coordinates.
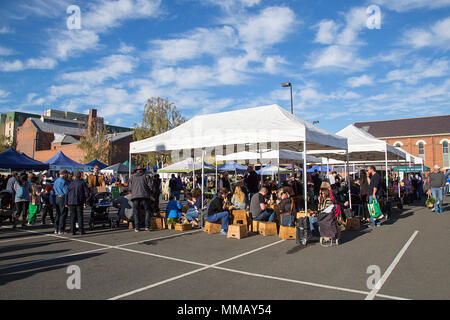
(212, 228)
(267, 228)
(183, 226)
(158, 223)
(287, 233)
(353, 224)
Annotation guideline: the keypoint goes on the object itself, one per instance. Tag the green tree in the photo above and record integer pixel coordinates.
(95, 144)
(4, 143)
(159, 116)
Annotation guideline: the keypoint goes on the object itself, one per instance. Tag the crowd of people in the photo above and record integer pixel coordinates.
(69, 193)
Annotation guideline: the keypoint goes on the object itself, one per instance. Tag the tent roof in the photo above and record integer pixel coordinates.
(101, 165)
(118, 167)
(362, 146)
(232, 166)
(11, 159)
(187, 166)
(283, 155)
(268, 170)
(245, 126)
(61, 160)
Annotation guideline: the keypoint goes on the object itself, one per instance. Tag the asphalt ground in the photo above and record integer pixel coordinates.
(410, 251)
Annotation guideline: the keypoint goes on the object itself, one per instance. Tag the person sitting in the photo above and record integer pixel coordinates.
(287, 206)
(194, 204)
(239, 199)
(218, 210)
(173, 208)
(258, 207)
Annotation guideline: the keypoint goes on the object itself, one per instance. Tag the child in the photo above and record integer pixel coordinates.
(173, 209)
(47, 202)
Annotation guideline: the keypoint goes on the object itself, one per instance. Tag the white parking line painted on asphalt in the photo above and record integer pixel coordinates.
(391, 268)
(22, 238)
(127, 294)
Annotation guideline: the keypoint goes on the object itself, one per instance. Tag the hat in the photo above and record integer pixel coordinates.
(325, 185)
(437, 167)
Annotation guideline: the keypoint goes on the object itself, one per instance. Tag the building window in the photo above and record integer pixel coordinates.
(446, 155)
(421, 150)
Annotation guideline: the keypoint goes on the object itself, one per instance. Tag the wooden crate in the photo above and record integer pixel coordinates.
(183, 226)
(287, 233)
(237, 231)
(267, 228)
(239, 215)
(352, 224)
(213, 227)
(158, 223)
(255, 226)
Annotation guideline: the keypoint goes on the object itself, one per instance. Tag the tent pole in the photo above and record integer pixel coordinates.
(129, 167)
(216, 175)
(348, 181)
(203, 180)
(193, 172)
(305, 180)
(398, 178)
(387, 176)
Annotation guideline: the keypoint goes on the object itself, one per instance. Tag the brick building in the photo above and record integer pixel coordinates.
(426, 137)
(42, 138)
(9, 122)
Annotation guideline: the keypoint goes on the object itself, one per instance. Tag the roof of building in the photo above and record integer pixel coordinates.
(62, 138)
(113, 137)
(58, 129)
(407, 127)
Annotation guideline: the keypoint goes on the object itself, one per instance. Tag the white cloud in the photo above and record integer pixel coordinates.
(6, 51)
(363, 80)
(110, 67)
(327, 30)
(17, 65)
(194, 44)
(3, 94)
(5, 30)
(336, 57)
(7, 66)
(437, 35)
(420, 70)
(407, 5)
(69, 43)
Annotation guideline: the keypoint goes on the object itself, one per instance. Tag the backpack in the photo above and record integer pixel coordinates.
(287, 221)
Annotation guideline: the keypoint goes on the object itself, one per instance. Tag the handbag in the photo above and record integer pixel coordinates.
(32, 209)
(288, 219)
(374, 209)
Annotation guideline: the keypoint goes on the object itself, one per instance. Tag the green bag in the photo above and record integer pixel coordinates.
(374, 209)
(32, 209)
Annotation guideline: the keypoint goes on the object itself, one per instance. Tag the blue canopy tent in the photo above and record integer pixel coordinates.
(61, 161)
(11, 159)
(319, 168)
(232, 166)
(101, 165)
(269, 170)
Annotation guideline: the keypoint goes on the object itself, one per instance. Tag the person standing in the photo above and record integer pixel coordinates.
(252, 182)
(156, 189)
(173, 187)
(317, 182)
(22, 190)
(48, 202)
(95, 180)
(139, 187)
(76, 196)
(60, 188)
(374, 191)
(437, 184)
(363, 193)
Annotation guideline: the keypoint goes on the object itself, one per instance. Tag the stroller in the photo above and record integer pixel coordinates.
(328, 226)
(6, 206)
(100, 208)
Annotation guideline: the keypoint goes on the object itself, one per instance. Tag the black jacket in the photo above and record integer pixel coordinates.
(77, 193)
(139, 186)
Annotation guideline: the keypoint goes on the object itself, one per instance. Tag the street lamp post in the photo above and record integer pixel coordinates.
(285, 85)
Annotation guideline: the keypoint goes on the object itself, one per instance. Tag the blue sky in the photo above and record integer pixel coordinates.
(217, 55)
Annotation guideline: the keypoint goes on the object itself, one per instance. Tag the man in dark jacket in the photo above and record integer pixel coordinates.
(75, 198)
(437, 184)
(252, 182)
(139, 186)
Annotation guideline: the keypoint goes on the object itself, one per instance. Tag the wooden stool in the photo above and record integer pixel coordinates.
(287, 233)
(158, 223)
(352, 224)
(267, 228)
(237, 231)
(183, 226)
(213, 227)
(239, 215)
(255, 226)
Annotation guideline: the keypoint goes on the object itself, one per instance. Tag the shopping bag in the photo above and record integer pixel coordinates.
(374, 209)
(32, 209)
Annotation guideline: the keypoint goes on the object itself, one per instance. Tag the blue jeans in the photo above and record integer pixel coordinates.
(313, 224)
(60, 216)
(218, 216)
(191, 214)
(267, 215)
(136, 204)
(437, 195)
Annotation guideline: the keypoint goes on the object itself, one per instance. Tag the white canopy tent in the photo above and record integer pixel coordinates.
(255, 129)
(363, 148)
